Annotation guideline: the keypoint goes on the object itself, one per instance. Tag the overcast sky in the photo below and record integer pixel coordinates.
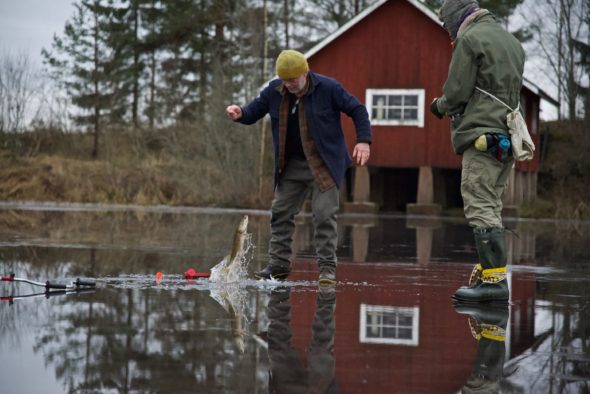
(27, 26)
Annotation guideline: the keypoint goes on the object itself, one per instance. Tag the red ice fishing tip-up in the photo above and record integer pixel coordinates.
(192, 274)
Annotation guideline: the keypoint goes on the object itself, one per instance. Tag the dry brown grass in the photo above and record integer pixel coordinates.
(564, 176)
(151, 181)
(51, 178)
(171, 167)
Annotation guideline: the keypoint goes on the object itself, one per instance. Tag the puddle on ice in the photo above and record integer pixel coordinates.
(169, 334)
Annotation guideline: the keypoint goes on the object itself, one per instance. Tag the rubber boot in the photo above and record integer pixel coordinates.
(488, 326)
(273, 271)
(488, 281)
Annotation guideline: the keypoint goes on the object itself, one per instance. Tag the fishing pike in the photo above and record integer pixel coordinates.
(240, 237)
(228, 274)
(232, 267)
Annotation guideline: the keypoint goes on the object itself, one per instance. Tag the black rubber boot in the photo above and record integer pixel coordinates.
(494, 317)
(488, 326)
(488, 282)
(272, 271)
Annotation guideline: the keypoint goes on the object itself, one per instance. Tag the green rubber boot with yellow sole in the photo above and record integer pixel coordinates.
(488, 281)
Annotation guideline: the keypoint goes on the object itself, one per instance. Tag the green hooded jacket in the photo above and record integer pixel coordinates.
(485, 55)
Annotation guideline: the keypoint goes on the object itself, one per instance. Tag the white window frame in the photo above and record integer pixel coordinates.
(419, 122)
(413, 311)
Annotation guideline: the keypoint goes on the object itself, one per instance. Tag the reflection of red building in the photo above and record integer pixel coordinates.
(522, 313)
(442, 359)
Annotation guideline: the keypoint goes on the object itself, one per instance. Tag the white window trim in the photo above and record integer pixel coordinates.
(414, 311)
(398, 92)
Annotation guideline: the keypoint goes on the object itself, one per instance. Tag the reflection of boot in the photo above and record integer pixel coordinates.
(488, 326)
(287, 373)
(327, 276)
(486, 321)
(321, 361)
(488, 282)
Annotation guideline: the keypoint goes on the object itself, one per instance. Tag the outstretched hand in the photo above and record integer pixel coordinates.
(233, 112)
(361, 153)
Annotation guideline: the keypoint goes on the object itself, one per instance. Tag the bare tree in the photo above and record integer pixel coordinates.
(18, 85)
(341, 11)
(286, 17)
(558, 25)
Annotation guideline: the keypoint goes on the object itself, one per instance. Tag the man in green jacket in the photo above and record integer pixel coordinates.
(487, 61)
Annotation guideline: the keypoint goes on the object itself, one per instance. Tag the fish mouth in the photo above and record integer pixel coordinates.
(243, 225)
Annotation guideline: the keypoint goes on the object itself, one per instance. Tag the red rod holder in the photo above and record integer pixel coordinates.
(192, 274)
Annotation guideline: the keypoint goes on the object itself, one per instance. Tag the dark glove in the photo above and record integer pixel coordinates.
(434, 109)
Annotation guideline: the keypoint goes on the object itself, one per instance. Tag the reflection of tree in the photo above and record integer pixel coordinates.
(129, 242)
(565, 242)
(558, 360)
(125, 340)
(19, 318)
(143, 341)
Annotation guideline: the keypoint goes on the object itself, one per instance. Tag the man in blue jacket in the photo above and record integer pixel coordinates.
(310, 156)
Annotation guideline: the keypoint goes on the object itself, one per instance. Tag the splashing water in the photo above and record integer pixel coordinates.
(227, 279)
(237, 270)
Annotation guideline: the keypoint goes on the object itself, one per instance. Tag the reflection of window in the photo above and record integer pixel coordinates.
(396, 107)
(389, 325)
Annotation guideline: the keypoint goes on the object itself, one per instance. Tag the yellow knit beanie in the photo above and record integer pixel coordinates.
(291, 64)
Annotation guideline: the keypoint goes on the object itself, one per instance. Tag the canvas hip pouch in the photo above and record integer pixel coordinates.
(523, 148)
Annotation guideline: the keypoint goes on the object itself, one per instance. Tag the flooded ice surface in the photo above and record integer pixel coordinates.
(387, 326)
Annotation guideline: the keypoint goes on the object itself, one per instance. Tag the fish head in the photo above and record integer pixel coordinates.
(243, 225)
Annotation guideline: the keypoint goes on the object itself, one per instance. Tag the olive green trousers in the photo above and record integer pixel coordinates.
(483, 182)
(294, 185)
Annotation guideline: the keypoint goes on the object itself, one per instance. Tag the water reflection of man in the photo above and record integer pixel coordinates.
(287, 371)
(488, 326)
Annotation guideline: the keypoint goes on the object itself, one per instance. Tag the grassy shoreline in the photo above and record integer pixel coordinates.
(174, 167)
(177, 168)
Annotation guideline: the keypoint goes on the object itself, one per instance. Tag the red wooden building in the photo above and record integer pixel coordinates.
(394, 56)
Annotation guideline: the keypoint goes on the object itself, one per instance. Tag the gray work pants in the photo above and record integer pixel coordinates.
(294, 185)
(483, 182)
